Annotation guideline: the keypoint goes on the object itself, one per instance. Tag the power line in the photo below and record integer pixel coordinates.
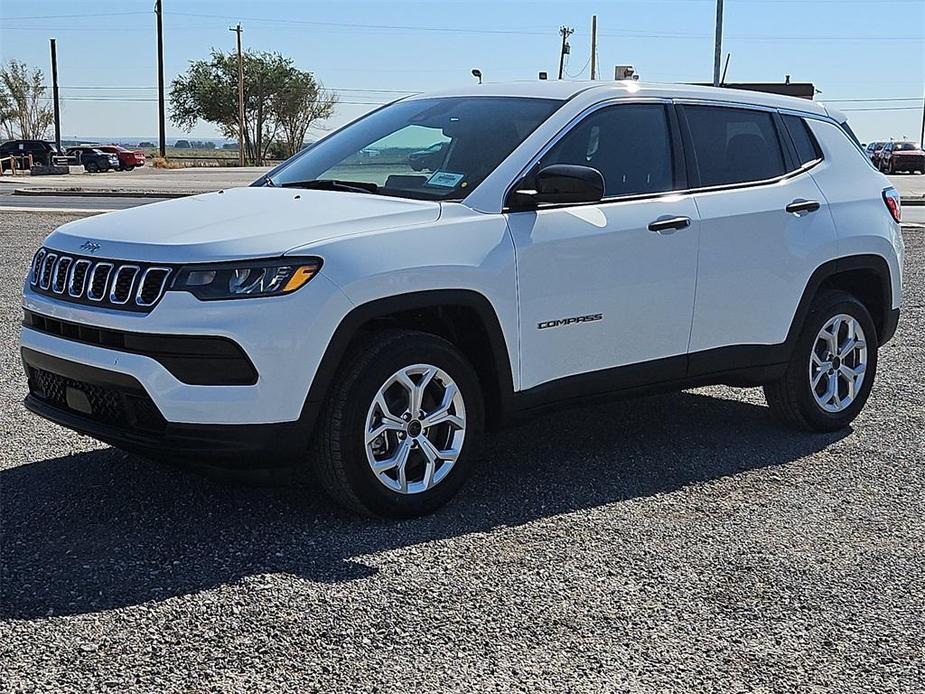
(891, 98)
(885, 108)
(75, 16)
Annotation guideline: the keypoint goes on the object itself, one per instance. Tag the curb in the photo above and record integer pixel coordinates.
(80, 193)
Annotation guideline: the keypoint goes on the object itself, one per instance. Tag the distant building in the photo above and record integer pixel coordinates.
(803, 90)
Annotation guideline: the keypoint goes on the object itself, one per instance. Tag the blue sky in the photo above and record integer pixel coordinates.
(369, 51)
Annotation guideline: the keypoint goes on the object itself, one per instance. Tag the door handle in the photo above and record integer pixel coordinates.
(669, 224)
(798, 206)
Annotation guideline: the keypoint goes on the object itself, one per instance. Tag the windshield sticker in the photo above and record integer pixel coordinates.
(445, 179)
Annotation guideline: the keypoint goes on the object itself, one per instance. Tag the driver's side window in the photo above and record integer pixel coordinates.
(630, 145)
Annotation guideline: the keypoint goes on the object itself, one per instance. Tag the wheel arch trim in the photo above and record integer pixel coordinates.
(356, 318)
(876, 264)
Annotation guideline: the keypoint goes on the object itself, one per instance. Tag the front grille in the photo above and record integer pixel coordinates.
(99, 403)
(110, 283)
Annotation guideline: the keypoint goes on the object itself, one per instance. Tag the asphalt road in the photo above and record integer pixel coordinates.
(44, 203)
(682, 542)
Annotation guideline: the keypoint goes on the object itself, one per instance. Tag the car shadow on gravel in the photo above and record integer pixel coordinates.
(99, 530)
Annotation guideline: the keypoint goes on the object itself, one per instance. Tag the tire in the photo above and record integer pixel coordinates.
(342, 460)
(793, 399)
(128, 168)
(92, 167)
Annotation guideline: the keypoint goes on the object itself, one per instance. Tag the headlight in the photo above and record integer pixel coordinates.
(245, 279)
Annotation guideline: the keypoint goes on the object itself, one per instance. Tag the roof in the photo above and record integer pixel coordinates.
(601, 89)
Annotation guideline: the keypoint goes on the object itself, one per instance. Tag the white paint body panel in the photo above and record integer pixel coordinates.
(602, 259)
(854, 196)
(755, 261)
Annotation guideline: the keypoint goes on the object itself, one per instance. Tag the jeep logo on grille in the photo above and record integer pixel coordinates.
(90, 246)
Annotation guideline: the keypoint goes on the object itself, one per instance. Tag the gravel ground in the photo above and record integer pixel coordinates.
(681, 542)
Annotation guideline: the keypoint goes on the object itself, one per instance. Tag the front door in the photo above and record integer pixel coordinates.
(610, 284)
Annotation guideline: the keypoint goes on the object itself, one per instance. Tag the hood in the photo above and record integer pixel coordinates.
(237, 223)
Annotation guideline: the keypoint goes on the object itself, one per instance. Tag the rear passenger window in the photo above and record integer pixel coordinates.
(803, 139)
(630, 145)
(734, 145)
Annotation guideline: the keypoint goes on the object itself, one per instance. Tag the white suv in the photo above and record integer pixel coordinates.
(508, 248)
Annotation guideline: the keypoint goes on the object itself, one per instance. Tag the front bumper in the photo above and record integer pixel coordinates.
(284, 338)
(913, 163)
(115, 409)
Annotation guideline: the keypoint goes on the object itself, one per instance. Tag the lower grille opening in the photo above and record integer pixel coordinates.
(106, 405)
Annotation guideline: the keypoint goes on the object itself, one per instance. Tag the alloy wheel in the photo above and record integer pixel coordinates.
(415, 429)
(838, 363)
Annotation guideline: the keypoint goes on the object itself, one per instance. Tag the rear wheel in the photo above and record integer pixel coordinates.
(92, 167)
(401, 427)
(128, 168)
(832, 368)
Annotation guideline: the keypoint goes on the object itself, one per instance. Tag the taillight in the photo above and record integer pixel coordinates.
(893, 204)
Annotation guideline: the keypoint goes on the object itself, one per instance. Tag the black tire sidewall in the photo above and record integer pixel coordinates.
(823, 311)
(373, 495)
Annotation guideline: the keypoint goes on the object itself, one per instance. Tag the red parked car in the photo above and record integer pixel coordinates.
(902, 156)
(128, 159)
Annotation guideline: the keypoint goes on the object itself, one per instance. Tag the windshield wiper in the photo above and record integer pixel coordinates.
(327, 184)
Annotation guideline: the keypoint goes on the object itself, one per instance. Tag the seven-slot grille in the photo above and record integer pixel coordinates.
(110, 283)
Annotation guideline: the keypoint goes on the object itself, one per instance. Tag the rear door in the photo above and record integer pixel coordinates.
(599, 286)
(765, 225)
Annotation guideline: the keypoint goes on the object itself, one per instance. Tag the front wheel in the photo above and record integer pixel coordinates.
(832, 369)
(401, 427)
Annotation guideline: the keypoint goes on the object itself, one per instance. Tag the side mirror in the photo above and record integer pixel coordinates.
(561, 184)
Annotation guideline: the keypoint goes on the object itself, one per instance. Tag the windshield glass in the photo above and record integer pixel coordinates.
(432, 149)
(905, 147)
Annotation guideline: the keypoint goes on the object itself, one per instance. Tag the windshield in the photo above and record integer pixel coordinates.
(905, 147)
(432, 149)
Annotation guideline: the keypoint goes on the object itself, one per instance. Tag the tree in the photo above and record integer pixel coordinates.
(298, 107)
(277, 97)
(24, 111)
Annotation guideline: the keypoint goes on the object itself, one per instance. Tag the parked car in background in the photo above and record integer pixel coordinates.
(41, 151)
(128, 159)
(898, 157)
(873, 150)
(92, 159)
(429, 158)
(346, 316)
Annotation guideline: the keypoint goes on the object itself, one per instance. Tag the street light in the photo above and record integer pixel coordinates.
(478, 74)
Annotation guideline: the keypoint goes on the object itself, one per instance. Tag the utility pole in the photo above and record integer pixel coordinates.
(237, 29)
(565, 32)
(54, 95)
(162, 135)
(718, 43)
(594, 47)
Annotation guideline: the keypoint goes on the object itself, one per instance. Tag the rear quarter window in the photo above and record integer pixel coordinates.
(803, 141)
